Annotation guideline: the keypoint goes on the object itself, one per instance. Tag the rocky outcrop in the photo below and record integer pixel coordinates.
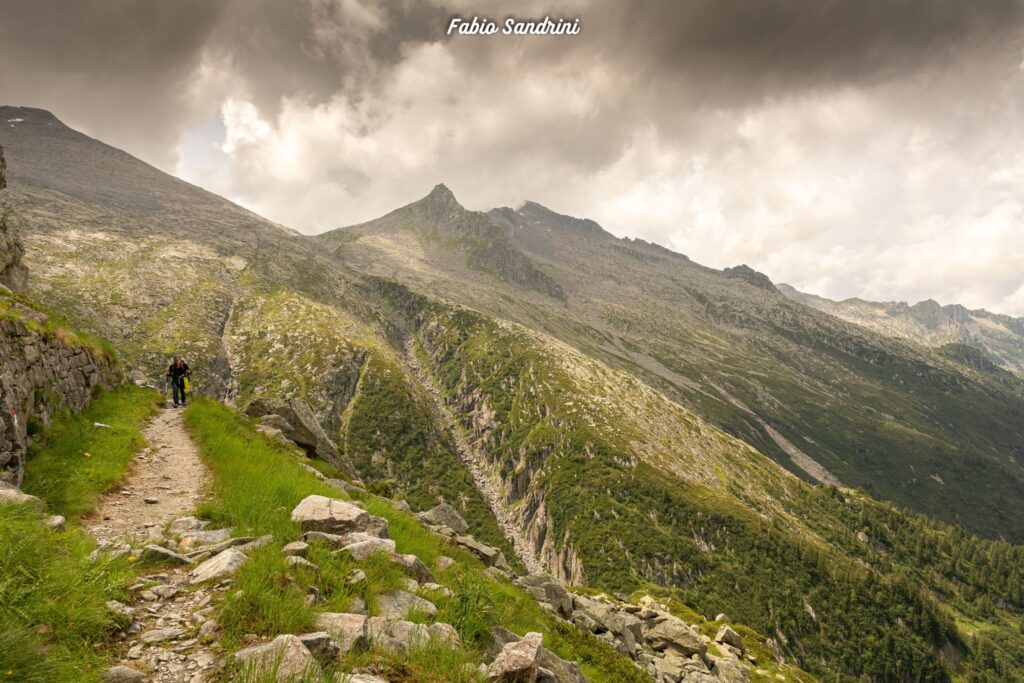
(748, 274)
(296, 421)
(662, 644)
(40, 374)
(13, 273)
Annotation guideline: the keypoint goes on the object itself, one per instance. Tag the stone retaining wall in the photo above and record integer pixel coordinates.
(40, 374)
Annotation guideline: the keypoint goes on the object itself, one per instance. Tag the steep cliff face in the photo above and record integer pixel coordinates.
(41, 371)
(12, 273)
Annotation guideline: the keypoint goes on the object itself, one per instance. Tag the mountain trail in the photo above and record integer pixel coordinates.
(167, 617)
(164, 484)
(486, 481)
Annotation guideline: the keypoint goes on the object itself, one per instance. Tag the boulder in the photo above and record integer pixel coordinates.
(122, 674)
(551, 592)
(300, 425)
(561, 671)
(223, 564)
(285, 656)
(296, 549)
(729, 637)
(672, 633)
(730, 670)
(192, 539)
(320, 645)
(517, 661)
(397, 604)
(492, 557)
(330, 515)
(348, 630)
(444, 515)
(399, 635)
(413, 567)
(10, 493)
(363, 549)
(55, 522)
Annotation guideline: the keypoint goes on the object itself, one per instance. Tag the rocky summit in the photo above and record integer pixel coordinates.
(457, 445)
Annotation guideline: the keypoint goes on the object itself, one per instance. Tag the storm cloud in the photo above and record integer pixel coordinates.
(848, 148)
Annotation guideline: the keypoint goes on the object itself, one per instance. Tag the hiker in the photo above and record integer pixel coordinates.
(179, 373)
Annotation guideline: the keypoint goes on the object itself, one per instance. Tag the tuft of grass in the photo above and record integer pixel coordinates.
(74, 462)
(53, 600)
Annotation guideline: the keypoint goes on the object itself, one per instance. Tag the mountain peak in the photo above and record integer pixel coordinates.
(756, 278)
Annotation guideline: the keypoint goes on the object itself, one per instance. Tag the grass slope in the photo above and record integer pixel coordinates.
(257, 483)
(76, 461)
(53, 615)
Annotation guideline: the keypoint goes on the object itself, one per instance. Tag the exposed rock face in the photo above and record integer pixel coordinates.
(39, 374)
(297, 422)
(745, 272)
(12, 273)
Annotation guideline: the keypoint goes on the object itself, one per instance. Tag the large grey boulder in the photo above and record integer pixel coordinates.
(122, 674)
(549, 591)
(517, 661)
(729, 637)
(364, 549)
(285, 655)
(413, 567)
(492, 557)
(298, 423)
(444, 515)
(329, 515)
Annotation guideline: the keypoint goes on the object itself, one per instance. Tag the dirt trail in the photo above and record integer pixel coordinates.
(169, 474)
(487, 482)
(164, 641)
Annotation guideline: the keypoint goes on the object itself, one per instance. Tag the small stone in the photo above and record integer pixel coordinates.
(55, 522)
(184, 524)
(122, 674)
(444, 562)
(296, 548)
(296, 561)
(445, 515)
(355, 576)
(156, 553)
(150, 500)
(208, 631)
(413, 567)
(330, 515)
(159, 635)
(120, 609)
(135, 651)
(219, 566)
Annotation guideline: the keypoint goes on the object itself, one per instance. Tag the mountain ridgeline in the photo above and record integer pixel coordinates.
(606, 407)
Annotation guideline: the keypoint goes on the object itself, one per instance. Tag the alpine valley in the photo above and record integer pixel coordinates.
(843, 481)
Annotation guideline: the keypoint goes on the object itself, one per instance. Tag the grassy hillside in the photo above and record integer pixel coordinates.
(588, 454)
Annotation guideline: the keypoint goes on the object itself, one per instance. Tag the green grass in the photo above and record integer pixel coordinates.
(74, 462)
(256, 484)
(52, 600)
(55, 326)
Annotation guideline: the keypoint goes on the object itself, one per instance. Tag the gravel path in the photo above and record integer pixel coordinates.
(164, 484)
(166, 640)
(487, 482)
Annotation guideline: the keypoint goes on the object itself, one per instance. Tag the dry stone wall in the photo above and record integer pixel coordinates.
(39, 375)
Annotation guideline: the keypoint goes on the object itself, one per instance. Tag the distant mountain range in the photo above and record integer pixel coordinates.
(638, 419)
(1000, 338)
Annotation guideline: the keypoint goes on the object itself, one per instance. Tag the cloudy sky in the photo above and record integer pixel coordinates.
(850, 148)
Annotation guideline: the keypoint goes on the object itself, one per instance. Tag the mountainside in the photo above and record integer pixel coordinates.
(831, 401)
(601, 406)
(1000, 338)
